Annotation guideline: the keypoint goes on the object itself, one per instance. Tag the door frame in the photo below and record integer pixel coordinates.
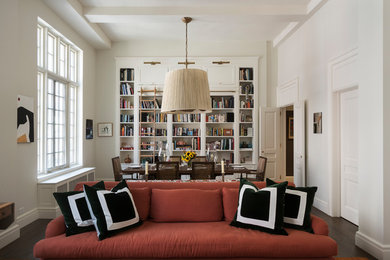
(335, 152)
(283, 159)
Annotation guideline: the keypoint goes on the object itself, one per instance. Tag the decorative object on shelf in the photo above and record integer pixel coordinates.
(186, 90)
(104, 129)
(25, 119)
(88, 129)
(291, 127)
(317, 123)
(127, 159)
(187, 157)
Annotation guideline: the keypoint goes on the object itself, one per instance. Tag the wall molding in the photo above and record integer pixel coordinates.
(343, 70)
(321, 205)
(372, 246)
(27, 217)
(287, 93)
(9, 235)
(49, 213)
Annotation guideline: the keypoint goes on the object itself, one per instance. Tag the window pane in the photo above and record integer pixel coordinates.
(50, 162)
(50, 116)
(62, 59)
(39, 46)
(51, 55)
(50, 131)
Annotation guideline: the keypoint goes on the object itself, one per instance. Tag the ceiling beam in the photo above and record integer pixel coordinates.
(120, 14)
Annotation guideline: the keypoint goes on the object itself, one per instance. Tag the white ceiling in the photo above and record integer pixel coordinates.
(104, 21)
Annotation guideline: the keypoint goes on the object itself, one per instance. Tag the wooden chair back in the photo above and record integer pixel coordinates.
(167, 171)
(261, 165)
(199, 159)
(116, 165)
(175, 159)
(203, 170)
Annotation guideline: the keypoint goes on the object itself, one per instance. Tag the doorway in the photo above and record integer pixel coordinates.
(287, 141)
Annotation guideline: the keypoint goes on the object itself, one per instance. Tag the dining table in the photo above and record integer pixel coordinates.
(185, 170)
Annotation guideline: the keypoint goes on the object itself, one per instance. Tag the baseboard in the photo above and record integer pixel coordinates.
(321, 205)
(49, 213)
(9, 235)
(27, 218)
(372, 246)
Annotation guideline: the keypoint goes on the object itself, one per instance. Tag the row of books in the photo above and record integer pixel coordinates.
(127, 89)
(246, 88)
(184, 131)
(150, 131)
(125, 118)
(124, 103)
(150, 104)
(246, 74)
(220, 118)
(181, 145)
(246, 103)
(246, 131)
(223, 144)
(146, 117)
(222, 102)
(147, 146)
(126, 74)
(127, 130)
(245, 118)
(219, 132)
(245, 145)
(186, 118)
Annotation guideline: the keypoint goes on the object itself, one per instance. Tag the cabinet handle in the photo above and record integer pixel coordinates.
(152, 62)
(188, 62)
(221, 62)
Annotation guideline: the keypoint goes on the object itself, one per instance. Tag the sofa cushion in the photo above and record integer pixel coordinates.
(230, 202)
(188, 240)
(186, 205)
(75, 210)
(112, 211)
(141, 198)
(260, 209)
(298, 202)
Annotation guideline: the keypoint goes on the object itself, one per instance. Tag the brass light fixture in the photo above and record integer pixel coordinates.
(186, 90)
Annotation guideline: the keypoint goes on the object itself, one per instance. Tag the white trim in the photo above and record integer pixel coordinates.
(372, 246)
(9, 235)
(302, 208)
(49, 213)
(27, 217)
(321, 205)
(287, 93)
(272, 208)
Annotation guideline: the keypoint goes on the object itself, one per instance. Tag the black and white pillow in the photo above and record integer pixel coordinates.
(298, 203)
(74, 207)
(260, 209)
(112, 211)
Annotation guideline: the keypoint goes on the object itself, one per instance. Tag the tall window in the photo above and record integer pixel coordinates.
(58, 83)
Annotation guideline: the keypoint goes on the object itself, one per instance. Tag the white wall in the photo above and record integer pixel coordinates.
(330, 32)
(105, 146)
(18, 70)
(340, 26)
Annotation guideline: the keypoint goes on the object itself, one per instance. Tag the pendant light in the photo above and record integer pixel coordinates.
(186, 90)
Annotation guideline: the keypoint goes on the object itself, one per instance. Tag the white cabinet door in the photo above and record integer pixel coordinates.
(270, 139)
(349, 148)
(152, 74)
(299, 144)
(221, 77)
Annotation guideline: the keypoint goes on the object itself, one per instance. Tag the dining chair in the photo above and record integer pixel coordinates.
(116, 165)
(260, 170)
(175, 159)
(199, 159)
(167, 171)
(203, 170)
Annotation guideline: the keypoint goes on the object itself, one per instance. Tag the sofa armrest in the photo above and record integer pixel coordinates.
(55, 227)
(320, 227)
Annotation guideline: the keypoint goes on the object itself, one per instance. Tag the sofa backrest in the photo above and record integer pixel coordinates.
(151, 200)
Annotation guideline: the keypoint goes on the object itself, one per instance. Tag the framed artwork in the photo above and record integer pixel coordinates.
(25, 120)
(291, 127)
(104, 129)
(317, 123)
(89, 129)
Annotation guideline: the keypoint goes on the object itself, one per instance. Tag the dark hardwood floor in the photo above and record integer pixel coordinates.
(340, 230)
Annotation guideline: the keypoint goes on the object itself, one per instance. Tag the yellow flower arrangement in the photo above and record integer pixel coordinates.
(188, 156)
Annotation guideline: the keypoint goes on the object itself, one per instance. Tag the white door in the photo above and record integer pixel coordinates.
(270, 139)
(349, 155)
(299, 144)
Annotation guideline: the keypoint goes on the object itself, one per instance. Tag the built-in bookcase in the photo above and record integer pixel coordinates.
(228, 132)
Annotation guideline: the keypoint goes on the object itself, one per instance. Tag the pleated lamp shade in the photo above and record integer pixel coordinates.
(186, 91)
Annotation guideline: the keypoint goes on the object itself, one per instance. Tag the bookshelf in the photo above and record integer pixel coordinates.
(229, 131)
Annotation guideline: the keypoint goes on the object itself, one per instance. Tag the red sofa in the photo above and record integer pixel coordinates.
(197, 229)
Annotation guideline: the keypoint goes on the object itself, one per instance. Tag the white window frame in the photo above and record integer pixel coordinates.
(43, 76)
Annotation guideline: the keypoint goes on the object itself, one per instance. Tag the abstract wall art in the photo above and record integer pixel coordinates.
(25, 119)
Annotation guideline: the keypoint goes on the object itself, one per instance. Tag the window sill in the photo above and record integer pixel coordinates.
(52, 175)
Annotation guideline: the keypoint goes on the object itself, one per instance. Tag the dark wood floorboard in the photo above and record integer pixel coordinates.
(340, 230)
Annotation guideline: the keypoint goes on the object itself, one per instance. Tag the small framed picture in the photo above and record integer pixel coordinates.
(89, 129)
(317, 123)
(104, 129)
(291, 127)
